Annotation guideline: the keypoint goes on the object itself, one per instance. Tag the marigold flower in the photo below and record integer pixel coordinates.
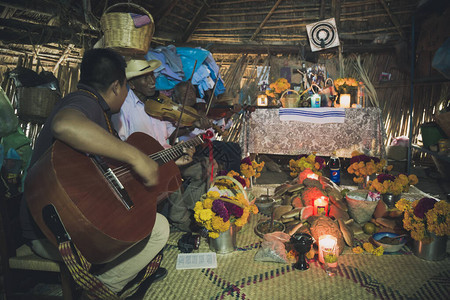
(357, 250)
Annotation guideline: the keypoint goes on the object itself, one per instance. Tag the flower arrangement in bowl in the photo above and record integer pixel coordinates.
(390, 184)
(344, 85)
(277, 88)
(250, 168)
(425, 217)
(303, 162)
(362, 166)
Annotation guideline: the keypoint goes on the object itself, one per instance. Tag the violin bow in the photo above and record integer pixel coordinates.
(212, 94)
(174, 135)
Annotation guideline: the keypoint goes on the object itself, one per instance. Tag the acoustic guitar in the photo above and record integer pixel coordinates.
(103, 205)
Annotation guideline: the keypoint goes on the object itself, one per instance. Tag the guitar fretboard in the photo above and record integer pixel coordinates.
(176, 151)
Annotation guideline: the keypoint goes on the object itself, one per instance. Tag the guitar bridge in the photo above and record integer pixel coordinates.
(113, 181)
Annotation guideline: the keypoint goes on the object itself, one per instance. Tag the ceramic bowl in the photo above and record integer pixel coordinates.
(388, 247)
(263, 227)
(264, 203)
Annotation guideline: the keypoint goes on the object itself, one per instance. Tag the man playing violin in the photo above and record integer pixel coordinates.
(134, 117)
(218, 118)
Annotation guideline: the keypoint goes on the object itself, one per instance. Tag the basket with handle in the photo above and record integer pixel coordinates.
(232, 189)
(291, 100)
(120, 32)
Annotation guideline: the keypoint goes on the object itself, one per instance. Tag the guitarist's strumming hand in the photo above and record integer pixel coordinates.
(146, 168)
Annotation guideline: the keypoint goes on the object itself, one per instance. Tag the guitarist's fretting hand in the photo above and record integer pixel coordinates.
(186, 158)
(75, 129)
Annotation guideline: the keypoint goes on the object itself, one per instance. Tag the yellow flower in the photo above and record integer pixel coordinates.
(357, 250)
(213, 234)
(378, 251)
(368, 247)
(205, 214)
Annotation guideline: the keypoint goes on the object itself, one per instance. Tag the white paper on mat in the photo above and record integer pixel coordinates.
(196, 260)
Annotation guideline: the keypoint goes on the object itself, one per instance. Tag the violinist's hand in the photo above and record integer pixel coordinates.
(203, 122)
(186, 158)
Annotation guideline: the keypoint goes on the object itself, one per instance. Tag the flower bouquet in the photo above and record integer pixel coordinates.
(425, 217)
(303, 162)
(362, 166)
(390, 184)
(224, 204)
(250, 168)
(277, 88)
(344, 85)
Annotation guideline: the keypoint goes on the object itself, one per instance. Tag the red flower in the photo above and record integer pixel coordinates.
(424, 205)
(247, 161)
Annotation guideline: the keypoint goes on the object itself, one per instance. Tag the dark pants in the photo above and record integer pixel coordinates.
(227, 155)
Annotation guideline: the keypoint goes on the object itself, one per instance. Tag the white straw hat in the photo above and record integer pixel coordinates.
(138, 67)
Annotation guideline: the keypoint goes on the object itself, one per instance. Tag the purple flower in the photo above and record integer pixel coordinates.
(359, 158)
(222, 173)
(321, 162)
(234, 210)
(364, 158)
(424, 205)
(219, 208)
(383, 177)
(240, 179)
(247, 161)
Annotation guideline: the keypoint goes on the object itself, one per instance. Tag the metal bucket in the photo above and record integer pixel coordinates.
(225, 243)
(436, 250)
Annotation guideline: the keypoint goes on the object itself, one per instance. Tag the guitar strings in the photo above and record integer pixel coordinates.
(163, 155)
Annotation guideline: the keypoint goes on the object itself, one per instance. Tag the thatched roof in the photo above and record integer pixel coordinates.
(57, 30)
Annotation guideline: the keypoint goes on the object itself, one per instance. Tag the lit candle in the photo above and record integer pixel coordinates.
(262, 100)
(321, 206)
(313, 176)
(345, 100)
(326, 242)
(307, 173)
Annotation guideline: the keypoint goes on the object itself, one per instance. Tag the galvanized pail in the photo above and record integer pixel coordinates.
(225, 243)
(436, 250)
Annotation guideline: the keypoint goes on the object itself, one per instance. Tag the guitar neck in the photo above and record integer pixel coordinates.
(176, 151)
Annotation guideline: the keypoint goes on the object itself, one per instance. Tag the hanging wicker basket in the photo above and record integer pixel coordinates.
(34, 104)
(121, 34)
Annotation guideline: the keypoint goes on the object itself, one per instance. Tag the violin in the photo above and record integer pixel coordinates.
(163, 108)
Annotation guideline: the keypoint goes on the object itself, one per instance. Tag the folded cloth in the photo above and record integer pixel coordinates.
(140, 20)
(313, 115)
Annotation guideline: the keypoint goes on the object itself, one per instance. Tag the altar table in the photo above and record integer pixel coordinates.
(362, 130)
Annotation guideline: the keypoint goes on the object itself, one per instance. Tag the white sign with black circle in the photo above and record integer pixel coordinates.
(323, 34)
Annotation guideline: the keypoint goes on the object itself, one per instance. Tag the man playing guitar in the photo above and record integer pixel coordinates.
(81, 121)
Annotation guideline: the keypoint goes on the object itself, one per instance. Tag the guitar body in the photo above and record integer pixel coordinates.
(96, 219)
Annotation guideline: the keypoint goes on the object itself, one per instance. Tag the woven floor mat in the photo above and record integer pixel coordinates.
(361, 276)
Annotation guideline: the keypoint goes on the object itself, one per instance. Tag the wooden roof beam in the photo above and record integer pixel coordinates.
(201, 13)
(265, 20)
(166, 12)
(63, 56)
(393, 19)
